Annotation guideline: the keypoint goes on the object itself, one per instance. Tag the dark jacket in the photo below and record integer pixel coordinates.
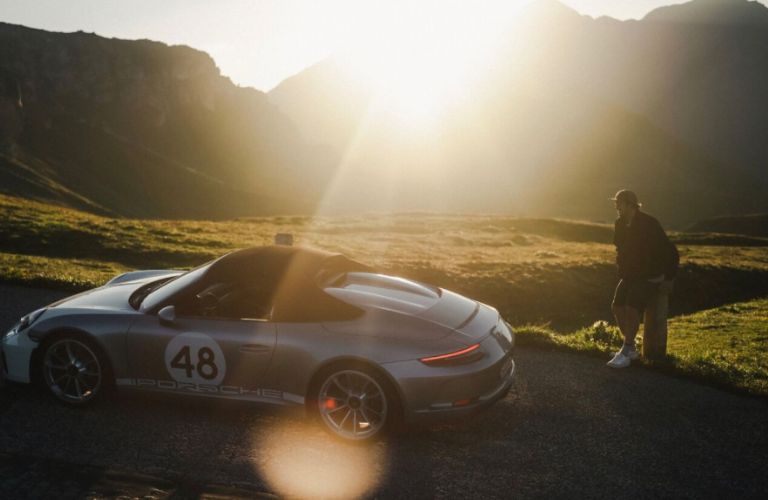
(643, 250)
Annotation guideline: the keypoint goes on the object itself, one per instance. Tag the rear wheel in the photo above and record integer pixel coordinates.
(74, 369)
(355, 404)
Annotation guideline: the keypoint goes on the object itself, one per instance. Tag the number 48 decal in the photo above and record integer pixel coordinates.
(206, 362)
(195, 357)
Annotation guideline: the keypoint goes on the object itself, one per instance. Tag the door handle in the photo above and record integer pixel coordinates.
(254, 348)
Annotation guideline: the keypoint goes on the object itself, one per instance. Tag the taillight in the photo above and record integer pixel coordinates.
(466, 355)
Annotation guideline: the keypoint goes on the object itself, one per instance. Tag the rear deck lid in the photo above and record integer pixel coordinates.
(391, 293)
(385, 292)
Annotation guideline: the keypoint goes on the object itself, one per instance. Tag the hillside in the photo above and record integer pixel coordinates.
(752, 225)
(139, 128)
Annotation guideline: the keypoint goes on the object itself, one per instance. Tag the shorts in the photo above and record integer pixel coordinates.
(634, 293)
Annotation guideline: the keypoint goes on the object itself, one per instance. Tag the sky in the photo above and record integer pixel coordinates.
(258, 43)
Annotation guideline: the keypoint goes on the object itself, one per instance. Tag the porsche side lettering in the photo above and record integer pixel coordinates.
(225, 390)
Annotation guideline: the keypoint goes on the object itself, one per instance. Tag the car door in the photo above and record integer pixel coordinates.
(200, 355)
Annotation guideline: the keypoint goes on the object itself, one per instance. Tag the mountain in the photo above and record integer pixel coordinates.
(571, 110)
(574, 109)
(713, 12)
(139, 128)
(702, 82)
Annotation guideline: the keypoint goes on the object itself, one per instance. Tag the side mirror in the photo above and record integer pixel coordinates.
(167, 314)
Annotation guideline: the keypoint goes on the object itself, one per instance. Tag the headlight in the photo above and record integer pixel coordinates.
(10, 333)
(25, 322)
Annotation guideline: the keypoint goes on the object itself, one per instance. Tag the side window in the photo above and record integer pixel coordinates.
(229, 301)
(246, 303)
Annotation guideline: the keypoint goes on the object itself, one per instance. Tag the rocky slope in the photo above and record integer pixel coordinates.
(143, 129)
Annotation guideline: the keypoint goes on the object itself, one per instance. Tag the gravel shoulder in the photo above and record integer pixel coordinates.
(569, 428)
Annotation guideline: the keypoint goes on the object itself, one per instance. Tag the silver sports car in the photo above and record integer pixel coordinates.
(362, 352)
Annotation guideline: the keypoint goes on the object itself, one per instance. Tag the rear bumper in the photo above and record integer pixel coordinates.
(448, 411)
(430, 393)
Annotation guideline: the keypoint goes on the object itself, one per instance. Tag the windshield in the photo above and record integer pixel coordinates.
(171, 288)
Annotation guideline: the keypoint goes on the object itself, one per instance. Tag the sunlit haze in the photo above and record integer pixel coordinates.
(260, 43)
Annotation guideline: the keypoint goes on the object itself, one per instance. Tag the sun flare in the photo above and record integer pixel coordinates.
(424, 57)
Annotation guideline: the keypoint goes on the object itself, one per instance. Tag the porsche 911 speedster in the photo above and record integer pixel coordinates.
(360, 351)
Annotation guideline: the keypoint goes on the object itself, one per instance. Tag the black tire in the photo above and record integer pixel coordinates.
(74, 369)
(355, 403)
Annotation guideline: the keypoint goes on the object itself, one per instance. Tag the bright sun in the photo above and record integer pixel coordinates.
(421, 57)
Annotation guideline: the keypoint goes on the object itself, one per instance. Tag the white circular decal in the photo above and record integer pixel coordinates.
(195, 357)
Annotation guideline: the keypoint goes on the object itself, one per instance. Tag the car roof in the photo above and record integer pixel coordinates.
(295, 276)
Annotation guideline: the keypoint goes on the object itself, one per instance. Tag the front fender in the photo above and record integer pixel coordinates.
(105, 328)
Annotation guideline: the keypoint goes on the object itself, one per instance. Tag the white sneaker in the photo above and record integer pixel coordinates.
(634, 354)
(619, 361)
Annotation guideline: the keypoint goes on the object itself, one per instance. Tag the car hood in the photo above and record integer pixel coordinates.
(109, 296)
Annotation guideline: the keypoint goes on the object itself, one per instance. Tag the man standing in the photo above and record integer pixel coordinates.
(646, 260)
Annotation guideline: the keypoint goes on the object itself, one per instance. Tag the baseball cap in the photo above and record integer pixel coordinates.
(627, 196)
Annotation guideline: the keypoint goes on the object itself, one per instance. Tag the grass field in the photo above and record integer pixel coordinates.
(727, 345)
(555, 273)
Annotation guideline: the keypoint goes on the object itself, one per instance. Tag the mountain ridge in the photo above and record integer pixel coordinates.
(141, 128)
(575, 109)
(713, 12)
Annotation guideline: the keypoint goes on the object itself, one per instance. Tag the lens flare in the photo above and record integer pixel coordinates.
(301, 461)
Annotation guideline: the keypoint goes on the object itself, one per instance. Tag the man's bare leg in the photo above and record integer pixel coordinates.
(628, 321)
(618, 313)
(631, 326)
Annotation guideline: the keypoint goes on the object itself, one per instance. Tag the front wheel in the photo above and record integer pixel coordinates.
(355, 404)
(73, 370)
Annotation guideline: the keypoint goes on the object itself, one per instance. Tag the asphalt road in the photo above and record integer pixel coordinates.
(570, 428)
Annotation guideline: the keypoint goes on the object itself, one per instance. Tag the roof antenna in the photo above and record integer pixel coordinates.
(285, 239)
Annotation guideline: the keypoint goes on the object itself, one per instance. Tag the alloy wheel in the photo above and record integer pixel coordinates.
(353, 405)
(72, 371)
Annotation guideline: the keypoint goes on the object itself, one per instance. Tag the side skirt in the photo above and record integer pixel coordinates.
(260, 395)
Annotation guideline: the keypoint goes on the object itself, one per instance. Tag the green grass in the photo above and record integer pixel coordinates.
(532, 270)
(62, 274)
(459, 245)
(725, 346)
(728, 343)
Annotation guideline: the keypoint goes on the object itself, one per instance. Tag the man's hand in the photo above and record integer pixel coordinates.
(666, 286)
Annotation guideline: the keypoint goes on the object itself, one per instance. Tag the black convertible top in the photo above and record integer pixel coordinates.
(293, 276)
